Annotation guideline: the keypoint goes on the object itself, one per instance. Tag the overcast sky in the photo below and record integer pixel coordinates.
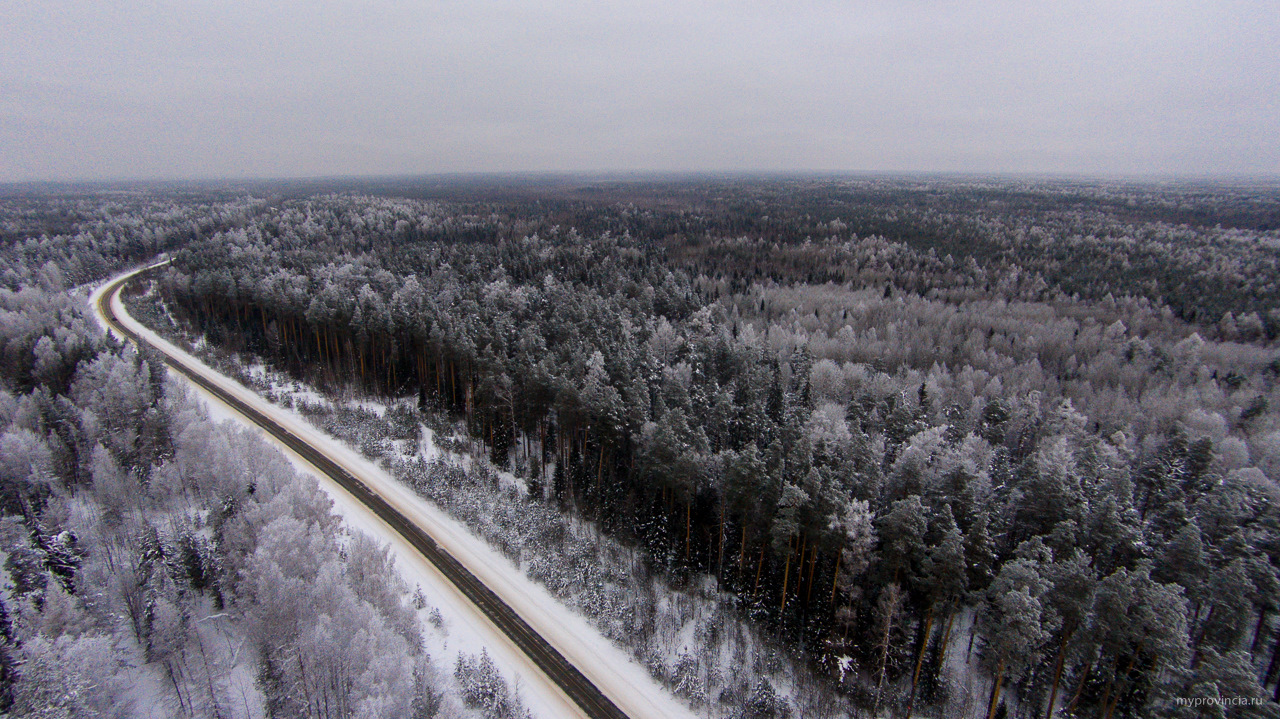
(193, 89)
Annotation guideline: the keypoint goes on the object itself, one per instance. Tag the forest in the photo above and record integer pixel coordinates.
(156, 563)
(919, 430)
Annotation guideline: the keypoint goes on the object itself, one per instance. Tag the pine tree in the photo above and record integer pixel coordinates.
(1142, 628)
(901, 529)
(1012, 628)
(1070, 597)
(944, 580)
(1183, 562)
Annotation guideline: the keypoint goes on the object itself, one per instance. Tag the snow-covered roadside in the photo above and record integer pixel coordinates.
(463, 630)
(625, 682)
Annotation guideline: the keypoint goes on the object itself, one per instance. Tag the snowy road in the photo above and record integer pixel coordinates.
(567, 666)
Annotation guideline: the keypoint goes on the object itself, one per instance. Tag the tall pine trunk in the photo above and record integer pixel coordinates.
(1258, 631)
(995, 690)
(1057, 674)
(1084, 678)
(688, 509)
(720, 542)
(813, 564)
(785, 576)
(759, 566)
(924, 645)
(835, 577)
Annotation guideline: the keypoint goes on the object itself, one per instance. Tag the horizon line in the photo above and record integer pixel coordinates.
(549, 176)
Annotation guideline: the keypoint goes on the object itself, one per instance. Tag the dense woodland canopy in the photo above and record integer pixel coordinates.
(155, 564)
(889, 416)
(1047, 403)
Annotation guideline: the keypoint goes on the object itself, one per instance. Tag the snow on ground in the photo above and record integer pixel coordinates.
(369, 405)
(609, 667)
(427, 444)
(463, 629)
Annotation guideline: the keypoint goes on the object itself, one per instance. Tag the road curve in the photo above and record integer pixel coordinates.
(559, 670)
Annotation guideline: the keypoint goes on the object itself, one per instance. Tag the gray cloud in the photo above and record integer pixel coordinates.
(220, 89)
